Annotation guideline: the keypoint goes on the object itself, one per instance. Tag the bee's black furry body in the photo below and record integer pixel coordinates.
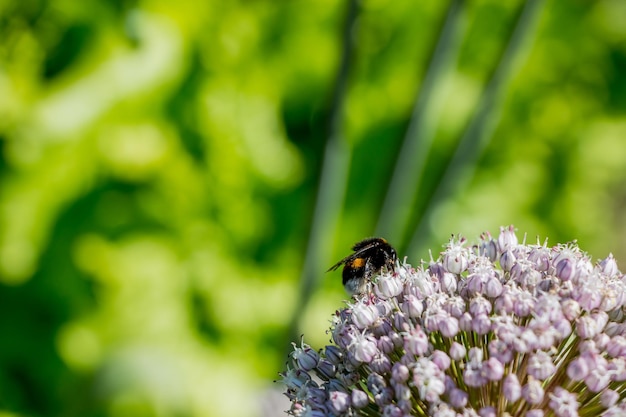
(370, 255)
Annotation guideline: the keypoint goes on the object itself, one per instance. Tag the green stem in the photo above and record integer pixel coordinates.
(409, 167)
(479, 131)
(333, 181)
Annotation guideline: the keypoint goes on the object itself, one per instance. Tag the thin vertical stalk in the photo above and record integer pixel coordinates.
(479, 131)
(409, 167)
(333, 180)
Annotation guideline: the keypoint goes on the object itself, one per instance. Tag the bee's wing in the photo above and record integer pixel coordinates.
(355, 255)
(341, 262)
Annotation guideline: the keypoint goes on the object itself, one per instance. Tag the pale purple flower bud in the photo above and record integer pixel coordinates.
(405, 406)
(326, 369)
(617, 368)
(493, 369)
(295, 379)
(475, 355)
(571, 309)
(375, 383)
(363, 348)
(526, 341)
(391, 410)
(586, 327)
(540, 365)
(505, 329)
(534, 413)
(400, 321)
(488, 247)
(565, 269)
(475, 283)
(398, 341)
(609, 398)
(500, 350)
(455, 258)
(449, 383)
(431, 320)
(420, 284)
(449, 283)
(540, 256)
(609, 300)
(524, 304)
(359, 399)
(615, 328)
(437, 270)
(507, 261)
(487, 412)
(480, 305)
(412, 306)
(352, 362)
(507, 239)
(380, 363)
(448, 326)
(339, 401)
(316, 395)
(333, 354)
(602, 340)
(563, 328)
(343, 334)
(473, 377)
(364, 315)
(348, 378)
(504, 303)
(305, 357)
(458, 398)
(524, 274)
(388, 286)
(416, 342)
(465, 322)
(440, 359)
(307, 410)
(442, 410)
(598, 379)
(428, 379)
(432, 390)
(481, 324)
(511, 388)
(385, 308)
(381, 326)
(455, 306)
(617, 346)
(399, 373)
(563, 403)
(549, 284)
(457, 351)
(493, 287)
(601, 318)
(533, 392)
(385, 344)
(609, 266)
(401, 391)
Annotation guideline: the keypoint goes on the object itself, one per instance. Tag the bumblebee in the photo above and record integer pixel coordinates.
(370, 256)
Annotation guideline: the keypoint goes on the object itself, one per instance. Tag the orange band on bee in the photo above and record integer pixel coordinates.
(358, 263)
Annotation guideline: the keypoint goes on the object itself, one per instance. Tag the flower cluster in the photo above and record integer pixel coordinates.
(496, 329)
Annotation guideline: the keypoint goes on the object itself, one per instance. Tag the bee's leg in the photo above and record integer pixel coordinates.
(367, 276)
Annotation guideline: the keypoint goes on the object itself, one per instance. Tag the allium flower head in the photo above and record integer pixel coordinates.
(500, 328)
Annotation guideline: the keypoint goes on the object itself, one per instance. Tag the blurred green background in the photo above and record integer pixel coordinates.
(160, 163)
